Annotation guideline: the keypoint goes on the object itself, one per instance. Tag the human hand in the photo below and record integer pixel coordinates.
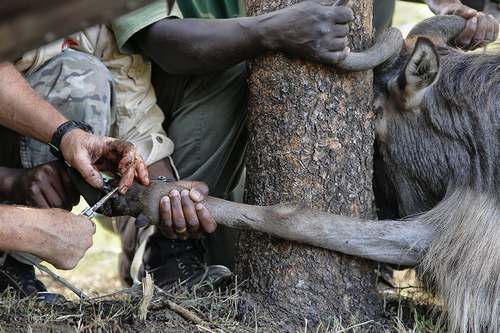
(181, 214)
(45, 186)
(173, 206)
(89, 153)
(309, 30)
(481, 29)
(58, 237)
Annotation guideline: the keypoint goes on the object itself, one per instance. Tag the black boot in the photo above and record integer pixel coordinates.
(20, 277)
(178, 262)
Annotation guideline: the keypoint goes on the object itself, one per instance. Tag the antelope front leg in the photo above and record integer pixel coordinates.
(395, 242)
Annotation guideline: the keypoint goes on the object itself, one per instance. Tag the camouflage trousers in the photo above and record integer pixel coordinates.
(80, 87)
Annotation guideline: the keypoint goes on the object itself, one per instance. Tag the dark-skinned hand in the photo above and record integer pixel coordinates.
(45, 186)
(181, 215)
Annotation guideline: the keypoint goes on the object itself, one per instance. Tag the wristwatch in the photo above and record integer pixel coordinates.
(61, 131)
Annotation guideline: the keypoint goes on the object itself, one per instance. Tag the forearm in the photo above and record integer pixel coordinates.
(16, 227)
(22, 110)
(161, 168)
(54, 235)
(194, 46)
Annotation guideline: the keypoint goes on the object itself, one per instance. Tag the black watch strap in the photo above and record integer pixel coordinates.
(165, 179)
(61, 131)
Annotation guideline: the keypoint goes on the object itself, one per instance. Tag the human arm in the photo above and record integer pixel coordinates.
(23, 111)
(54, 235)
(307, 30)
(182, 210)
(481, 29)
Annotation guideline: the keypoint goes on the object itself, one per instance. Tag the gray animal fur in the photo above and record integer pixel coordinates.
(440, 154)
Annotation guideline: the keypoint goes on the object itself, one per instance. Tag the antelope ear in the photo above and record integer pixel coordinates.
(421, 70)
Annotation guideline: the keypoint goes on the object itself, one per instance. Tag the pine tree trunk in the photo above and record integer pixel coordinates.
(310, 140)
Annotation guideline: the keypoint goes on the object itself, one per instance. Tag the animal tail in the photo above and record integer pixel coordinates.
(463, 262)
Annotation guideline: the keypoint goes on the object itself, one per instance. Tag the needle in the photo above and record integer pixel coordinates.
(89, 211)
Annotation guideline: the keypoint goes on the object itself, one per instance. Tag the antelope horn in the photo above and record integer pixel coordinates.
(386, 46)
(441, 28)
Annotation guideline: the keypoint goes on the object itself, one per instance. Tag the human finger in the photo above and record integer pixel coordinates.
(81, 150)
(335, 56)
(190, 216)
(134, 169)
(75, 245)
(61, 192)
(496, 29)
(35, 198)
(341, 15)
(198, 190)
(492, 29)
(126, 153)
(207, 222)
(460, 10)
(481, 28)
(53, 197)
(486, 32)
(178, 221)
(47, 182)
(141, 170)
(465, 37)
(166, 224)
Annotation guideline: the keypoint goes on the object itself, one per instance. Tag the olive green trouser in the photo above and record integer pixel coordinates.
(205, 118)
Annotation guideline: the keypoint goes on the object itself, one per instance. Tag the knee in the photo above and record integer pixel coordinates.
(80, 87)
(84, 69)
(73, 71)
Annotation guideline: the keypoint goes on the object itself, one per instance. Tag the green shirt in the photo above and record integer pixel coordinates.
(213, 9)
(127, 25)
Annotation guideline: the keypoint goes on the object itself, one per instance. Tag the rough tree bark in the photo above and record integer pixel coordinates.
(310, 140)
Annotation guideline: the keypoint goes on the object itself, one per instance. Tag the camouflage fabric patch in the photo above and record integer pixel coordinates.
(80, 87)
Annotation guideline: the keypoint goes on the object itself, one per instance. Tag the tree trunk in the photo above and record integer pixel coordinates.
(310, 140)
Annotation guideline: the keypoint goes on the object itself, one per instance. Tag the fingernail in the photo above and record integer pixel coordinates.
(123, 190)
(165, 200)
(174, 193)
(199, 207)
(184, 192)
(197, 196)
(98, 183)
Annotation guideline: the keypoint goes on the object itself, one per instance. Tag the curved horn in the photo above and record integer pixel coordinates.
(441, 28)
(387, 45)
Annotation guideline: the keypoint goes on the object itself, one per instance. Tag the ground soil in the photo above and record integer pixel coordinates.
(228, 309)
(121, 315)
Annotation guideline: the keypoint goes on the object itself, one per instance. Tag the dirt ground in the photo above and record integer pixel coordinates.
(208, 311)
